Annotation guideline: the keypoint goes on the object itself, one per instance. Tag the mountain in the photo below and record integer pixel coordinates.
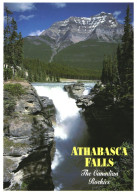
(75, 29)
(77, 41)
(38, 47)
(87, 54)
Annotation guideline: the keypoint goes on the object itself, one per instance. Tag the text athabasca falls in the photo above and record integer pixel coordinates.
(99, 156)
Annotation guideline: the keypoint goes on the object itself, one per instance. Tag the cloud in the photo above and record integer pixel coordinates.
(36, 33)
(22, 17)
(20, 7)
(116, 14)
(121, 21)
(59, 5)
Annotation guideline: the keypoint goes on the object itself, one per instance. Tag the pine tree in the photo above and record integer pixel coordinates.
(110, 76)
(130, 64)
(107, 70)
(7, 67)
(110, 71)
(125, 55)
(13, 45)
(30, 76)
(119, 60)
(115, 74)
(104, 71)
(19, 50)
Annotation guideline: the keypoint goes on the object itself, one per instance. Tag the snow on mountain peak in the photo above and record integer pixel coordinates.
(75, 29)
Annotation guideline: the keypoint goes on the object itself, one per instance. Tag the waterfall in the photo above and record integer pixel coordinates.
(69, 130)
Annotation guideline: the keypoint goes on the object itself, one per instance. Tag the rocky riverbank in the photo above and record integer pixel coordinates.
(110, 124)
(28, 139)
(109, 119)
(75, 90)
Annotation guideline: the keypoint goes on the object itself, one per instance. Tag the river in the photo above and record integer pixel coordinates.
(70, 130)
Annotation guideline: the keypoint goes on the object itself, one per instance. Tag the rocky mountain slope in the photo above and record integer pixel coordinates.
(75, 29)
(101, 28)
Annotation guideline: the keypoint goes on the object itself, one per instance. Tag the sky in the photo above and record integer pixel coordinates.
(33, 18)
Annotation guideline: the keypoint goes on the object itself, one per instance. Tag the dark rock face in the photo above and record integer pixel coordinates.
(109, 122)
(28, 142)
(47, 106)
(75, 90)
(85, 101)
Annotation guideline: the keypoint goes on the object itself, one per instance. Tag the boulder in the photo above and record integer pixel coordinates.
(47, 106)
(75, 90)
(85, 101)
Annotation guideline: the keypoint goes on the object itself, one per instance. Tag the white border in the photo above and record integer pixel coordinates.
(1, 95)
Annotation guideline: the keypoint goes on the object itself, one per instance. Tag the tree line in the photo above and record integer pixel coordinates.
(117, 75)
(38, 71)
(13, 47)
(118, 69)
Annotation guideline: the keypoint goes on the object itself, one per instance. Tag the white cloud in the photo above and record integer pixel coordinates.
(36, 33)
(120, 21)
(116, 14)
(59, 5)
(20, 7)
(22, 17)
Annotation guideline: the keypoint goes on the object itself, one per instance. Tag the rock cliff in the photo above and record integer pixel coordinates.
(28, 140)
(102, 26)
(109, 120)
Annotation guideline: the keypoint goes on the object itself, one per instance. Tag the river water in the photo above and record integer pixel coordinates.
(70, 130)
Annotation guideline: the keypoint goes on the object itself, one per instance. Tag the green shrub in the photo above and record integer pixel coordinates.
(124, 166)
(8, 73)
(18, 78)
(9, 106)
(14, 89)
